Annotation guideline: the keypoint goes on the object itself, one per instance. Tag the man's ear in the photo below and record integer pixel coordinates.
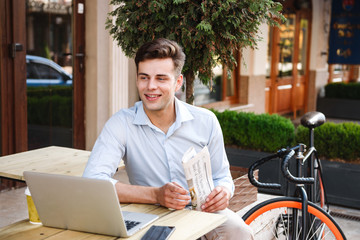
(179, 82)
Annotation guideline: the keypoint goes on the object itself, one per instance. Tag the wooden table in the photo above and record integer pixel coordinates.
(58, 160)
(68, 161)
(189, 225)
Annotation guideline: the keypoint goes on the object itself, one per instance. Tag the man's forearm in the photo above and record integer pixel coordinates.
(136, 194)
(170, 195)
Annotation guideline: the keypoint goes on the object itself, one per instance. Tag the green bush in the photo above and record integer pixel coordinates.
(343, 90)
(262, 132)
(51, 106)
(334, 141)
(269, 133)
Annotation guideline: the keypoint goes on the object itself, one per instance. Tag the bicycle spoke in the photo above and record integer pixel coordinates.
(282, 223)
(320, 230)
(297, 232)
(275, 233)
(287, 222)
(311, 227)
(298, 236)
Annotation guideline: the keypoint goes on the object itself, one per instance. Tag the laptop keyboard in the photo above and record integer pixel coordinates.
(130, 224)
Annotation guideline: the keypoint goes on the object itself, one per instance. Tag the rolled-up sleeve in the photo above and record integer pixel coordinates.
(107, 152)
(219, 161)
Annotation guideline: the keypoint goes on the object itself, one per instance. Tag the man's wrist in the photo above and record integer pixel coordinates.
(156, 195)
(227, 191)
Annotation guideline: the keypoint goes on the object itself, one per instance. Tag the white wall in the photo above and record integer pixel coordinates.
(255, 60)
(107, 72)
(253, 67)
(318, 76)
(320, 34)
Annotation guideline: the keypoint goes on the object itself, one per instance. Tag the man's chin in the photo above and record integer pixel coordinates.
(151, 106)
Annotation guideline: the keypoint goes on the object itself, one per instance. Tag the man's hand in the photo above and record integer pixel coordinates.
(217, 200)
(172, 195)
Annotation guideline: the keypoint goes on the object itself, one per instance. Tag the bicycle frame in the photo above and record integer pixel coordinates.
(300, 182)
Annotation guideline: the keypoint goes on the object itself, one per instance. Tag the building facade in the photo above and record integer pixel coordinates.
(283, 75)
(269, 79)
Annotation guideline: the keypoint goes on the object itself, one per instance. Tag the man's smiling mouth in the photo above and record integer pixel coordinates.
(152, 96)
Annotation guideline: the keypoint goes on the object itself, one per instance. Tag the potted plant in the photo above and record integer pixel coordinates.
(341, 100)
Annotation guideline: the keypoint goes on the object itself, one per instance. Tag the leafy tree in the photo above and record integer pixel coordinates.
(211, 32)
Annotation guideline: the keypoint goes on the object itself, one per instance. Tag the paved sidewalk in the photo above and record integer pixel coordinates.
(13, 206)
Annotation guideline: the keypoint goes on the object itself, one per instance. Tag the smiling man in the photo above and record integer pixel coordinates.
(152, 136)
(157, 85)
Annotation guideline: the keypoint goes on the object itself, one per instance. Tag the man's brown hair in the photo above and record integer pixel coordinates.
(161, 48)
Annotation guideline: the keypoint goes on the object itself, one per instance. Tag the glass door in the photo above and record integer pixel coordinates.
(41, 84)
(49, 78)
(287, 67)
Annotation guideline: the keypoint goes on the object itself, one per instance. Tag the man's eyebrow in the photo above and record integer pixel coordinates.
(157, 75)
(143, 74)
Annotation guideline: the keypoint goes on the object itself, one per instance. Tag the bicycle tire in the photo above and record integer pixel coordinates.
(272, 211)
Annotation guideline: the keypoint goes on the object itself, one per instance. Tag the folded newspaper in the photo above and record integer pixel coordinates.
(198, 175)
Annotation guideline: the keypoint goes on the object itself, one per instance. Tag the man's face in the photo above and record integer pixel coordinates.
(157, 85)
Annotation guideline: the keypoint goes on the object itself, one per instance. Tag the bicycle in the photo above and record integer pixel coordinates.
(303, 214)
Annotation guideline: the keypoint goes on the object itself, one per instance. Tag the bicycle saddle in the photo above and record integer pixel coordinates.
(313, 119)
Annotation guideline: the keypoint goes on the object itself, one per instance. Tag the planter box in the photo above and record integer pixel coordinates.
(339, 108)
(342, 180)
(342, 183)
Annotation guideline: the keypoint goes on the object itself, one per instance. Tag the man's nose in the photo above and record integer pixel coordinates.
(152, 84)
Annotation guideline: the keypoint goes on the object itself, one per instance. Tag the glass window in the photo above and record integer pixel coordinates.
(31, 72)
(269, 52)
(230, 86)
(339, 73)
(303, 36)
(46, 72)
(50, 98)
(286, 44)
(216, 94)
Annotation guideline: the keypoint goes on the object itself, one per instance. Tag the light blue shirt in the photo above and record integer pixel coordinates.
(153, 158)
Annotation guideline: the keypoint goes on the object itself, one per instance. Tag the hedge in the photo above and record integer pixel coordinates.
(262, 132)
(343, 90)
(334, 140)
(51, 106)
(269, 133)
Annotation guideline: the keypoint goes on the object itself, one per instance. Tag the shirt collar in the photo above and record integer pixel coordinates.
(140, 116)
(182, 114)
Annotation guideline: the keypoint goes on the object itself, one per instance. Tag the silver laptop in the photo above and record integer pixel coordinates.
(82, 204)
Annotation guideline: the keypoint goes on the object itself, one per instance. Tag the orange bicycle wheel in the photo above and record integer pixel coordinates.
(276, 218)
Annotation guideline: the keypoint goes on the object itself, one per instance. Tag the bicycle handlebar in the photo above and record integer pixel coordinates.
(286, 154)
(289, 176)
(255, 165)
